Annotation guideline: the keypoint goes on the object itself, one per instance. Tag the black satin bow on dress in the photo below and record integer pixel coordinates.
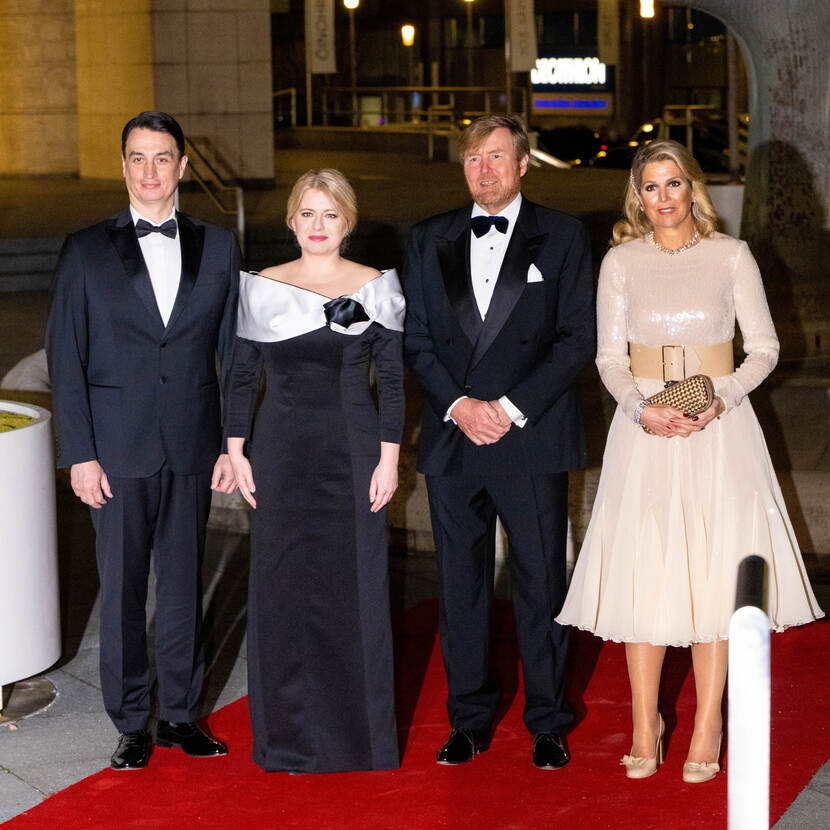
(482, 224)
(344, 311)
(143, 228)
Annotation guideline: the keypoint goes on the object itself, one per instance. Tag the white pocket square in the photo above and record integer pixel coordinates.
(534, 274)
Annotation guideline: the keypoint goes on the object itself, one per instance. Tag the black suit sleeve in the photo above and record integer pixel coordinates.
(67, 352)
(441, 390)
(573, 333)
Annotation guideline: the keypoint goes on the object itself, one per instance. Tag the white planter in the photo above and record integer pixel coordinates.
(30, 638)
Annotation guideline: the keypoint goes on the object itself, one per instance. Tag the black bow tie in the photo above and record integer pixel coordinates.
(344, 311)
(482, 224)
(143, 227)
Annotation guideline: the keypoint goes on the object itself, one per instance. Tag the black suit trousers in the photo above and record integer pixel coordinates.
(165, 514)
(533, 511)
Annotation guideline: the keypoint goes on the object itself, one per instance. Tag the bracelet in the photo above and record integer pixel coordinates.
(639, 411)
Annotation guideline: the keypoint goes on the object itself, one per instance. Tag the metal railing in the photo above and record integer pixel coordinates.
(414, 106)
(204, 172)
(280, 96)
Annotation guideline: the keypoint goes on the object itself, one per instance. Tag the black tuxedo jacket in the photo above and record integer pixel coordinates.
(128, 390)
(536, 338)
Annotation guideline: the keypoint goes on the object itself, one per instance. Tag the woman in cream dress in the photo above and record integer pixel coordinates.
(677, 510)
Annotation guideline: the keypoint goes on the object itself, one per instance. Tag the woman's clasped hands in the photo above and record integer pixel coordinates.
(668, 422)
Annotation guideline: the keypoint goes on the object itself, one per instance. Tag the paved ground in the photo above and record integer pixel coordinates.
(72, 737)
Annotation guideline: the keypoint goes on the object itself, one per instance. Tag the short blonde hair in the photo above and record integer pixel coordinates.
(476, 134)
(635, 224)
(331, 182)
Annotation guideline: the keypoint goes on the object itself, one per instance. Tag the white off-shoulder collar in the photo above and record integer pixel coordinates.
(270, 311)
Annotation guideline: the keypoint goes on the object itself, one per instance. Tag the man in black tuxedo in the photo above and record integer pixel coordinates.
(141, 304)
(500, 321)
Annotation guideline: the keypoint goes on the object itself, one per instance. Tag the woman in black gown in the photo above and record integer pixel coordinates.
(323, 465)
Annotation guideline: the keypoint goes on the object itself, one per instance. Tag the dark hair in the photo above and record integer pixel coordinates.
(476, 134)
(160, 122)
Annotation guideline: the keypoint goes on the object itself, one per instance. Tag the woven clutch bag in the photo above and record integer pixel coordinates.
(691, 395)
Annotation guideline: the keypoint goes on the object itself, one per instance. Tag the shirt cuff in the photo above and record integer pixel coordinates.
(512, 411)
(447, 416)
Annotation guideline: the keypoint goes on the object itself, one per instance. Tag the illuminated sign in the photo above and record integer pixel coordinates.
(557, 103)
(568, 71)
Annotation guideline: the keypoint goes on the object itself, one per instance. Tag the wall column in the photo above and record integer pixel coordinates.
(38, 122)
(114, 58)
(785, 213)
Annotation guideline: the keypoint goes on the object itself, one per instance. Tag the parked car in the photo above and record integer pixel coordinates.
(703, 130)
(572, 144)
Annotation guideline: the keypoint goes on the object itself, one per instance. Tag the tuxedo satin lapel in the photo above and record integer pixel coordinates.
(525, 243)
(192, 238)
(122, 234)
(454, 256)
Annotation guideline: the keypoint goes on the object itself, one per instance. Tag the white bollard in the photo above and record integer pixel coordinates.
(749, 719)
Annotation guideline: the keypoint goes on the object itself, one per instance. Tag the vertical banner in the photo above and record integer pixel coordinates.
(319, 37)
(522, 34)
(608, 31)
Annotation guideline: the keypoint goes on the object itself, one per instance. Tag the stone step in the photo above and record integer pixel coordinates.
(28, 264)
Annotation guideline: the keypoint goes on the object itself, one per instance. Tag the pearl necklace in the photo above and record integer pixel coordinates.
(672, 251)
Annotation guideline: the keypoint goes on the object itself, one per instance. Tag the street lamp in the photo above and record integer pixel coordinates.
(470, 42)
(351, 5)
(408, 38)
(646, 8)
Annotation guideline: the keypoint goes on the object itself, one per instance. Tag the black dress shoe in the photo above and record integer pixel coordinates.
(191, 738)
(133, 750)
(461, 746)
(549, 751)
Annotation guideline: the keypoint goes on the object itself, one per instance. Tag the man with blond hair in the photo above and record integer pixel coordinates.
(500, 322)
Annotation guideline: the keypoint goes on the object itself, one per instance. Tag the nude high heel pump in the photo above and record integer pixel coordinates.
(695, 772)
(638, 767)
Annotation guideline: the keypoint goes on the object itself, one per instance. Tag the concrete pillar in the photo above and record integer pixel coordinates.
(38, 123)
(212, 70)
(114, 58)
(207, 62)
(785, 214)
(75, 71)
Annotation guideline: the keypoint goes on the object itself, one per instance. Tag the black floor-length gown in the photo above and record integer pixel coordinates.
(320, 671)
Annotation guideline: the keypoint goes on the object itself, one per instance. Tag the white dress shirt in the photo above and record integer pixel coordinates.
(486, 258)
(163, 257)
(487, 254)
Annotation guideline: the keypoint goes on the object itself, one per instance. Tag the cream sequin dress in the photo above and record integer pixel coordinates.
(674, 517)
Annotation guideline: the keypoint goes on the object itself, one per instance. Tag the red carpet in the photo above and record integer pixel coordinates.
(500, 788)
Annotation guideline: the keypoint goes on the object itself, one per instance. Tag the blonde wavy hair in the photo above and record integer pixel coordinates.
(331, 182)
(635, 224)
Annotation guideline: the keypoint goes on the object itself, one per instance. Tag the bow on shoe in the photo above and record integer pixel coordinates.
(143, 227)
(344, 311)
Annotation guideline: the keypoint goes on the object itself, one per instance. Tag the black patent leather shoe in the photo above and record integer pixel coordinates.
(549, 751)
(461, 746)
(133, 750)
(191, 738)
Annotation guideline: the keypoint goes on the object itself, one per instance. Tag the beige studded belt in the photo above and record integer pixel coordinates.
(668, 363)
